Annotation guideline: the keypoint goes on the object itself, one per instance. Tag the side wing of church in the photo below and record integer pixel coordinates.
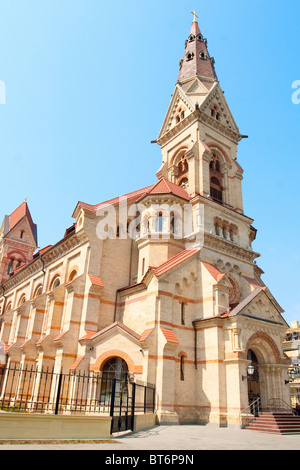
(162, 282)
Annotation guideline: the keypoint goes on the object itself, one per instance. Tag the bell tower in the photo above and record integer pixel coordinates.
(199, 137)
(18, 241)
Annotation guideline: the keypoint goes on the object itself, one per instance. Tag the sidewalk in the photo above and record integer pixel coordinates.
(176, 438)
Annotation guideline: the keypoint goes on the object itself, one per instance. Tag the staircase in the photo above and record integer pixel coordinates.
(276, 423)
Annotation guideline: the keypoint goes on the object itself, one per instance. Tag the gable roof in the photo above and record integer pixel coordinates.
(254, 294)
(116, 324)
(173, 262)
(164, 186)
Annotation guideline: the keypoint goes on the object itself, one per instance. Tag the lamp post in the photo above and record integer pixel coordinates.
(292, 374)
(250, 372)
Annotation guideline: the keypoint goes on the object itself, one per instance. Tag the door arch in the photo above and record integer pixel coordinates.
(253, 380)
(115, 368)
(114, 376)
(269, 366)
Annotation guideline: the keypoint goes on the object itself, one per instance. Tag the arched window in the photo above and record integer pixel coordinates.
(10, 267)
(115, 368)
(216, 190)
(38, 291)
(9, 307)
(182, 171)
(182, 368)
(72, 275)
(22, 300)
(183, 314)
(55, 283)
(159, 226)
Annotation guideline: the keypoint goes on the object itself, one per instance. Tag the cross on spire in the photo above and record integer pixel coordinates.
(195, 16)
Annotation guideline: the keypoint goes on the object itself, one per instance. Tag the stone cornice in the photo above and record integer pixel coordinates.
(230, 211)
(229, 248)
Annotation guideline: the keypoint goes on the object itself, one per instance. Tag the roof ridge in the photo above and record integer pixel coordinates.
(169, 264)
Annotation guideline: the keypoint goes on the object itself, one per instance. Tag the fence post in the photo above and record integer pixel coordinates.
(112, 404)
(133, 406)
(58, 393)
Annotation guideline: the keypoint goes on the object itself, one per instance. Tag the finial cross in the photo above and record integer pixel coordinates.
(195, 16)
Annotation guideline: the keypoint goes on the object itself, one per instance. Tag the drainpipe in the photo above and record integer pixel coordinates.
(195, 342)
(43, 269)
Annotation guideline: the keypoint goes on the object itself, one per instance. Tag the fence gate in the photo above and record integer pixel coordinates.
(122, 405)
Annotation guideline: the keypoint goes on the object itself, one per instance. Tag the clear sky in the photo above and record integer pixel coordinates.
(88, 84)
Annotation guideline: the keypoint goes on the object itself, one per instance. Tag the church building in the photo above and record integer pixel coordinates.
(163, 282)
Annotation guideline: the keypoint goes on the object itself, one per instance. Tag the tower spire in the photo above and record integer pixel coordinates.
(197, 61)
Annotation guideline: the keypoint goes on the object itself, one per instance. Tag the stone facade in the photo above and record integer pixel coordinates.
(185, 310)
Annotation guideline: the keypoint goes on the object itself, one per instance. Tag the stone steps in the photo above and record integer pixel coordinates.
(276, 423)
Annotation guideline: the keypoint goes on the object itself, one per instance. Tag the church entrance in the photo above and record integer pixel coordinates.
(253, 380)
(117, 389)
(114, 378)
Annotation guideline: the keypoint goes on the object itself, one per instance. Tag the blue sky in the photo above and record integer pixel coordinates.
(74, 70)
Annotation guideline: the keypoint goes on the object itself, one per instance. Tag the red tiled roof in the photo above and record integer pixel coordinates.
(60, 335)
(215, 273)
(77, 362)
(96, 280)
(134, 195)
(146, 333)
(253, 282)
(18, 214)
(42, 251)
(164, 186)
(88, 334)
(42, 339)
(172, 262)
(16, 270)
(169, 335)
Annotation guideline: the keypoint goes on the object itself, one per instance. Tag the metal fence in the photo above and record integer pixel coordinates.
(30, 389)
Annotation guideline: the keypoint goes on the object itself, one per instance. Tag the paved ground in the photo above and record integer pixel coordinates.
(175, 438)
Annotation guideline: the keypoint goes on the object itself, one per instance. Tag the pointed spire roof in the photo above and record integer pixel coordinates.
(196, 60)
(16, 216)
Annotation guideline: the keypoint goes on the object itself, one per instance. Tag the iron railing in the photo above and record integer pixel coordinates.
(248, 414)
(30, 389)
(277, 405)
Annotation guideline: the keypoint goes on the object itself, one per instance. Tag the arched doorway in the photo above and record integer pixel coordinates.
(253, 380)
(114, 380)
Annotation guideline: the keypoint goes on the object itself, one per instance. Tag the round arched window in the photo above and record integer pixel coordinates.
(22, 300)
(115, 368)
(38, 291)
(55, 283)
